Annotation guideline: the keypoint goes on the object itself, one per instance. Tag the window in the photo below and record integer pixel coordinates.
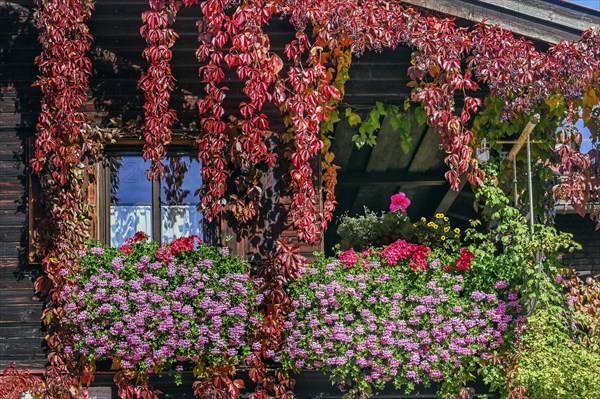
(164, 209)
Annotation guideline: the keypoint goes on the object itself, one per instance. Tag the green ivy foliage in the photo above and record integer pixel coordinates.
(400, 121)
(556, 358)
(489, 124)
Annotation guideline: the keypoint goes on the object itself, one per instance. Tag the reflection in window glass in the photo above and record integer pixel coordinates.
(179, 214)
(130, 198)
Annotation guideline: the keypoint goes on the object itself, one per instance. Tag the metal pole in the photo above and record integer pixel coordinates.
(515, 181)
(530, 185)
(512, 155)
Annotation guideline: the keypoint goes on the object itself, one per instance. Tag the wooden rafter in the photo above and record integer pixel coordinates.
(391, 178)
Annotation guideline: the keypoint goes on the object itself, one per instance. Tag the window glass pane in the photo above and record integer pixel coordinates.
(130, 198)
(179, 214)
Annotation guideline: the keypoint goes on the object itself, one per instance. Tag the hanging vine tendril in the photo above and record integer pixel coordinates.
(158, 82)
(65, 145)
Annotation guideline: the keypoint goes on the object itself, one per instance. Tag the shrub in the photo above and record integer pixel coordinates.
(372, 229)
(552, 364)
(559, 355)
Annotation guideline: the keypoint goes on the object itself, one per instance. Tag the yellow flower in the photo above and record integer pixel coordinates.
(430, 224)
(439, 215)
(414, 225)
(457, 230)
(446, 218)
(443, 238)
(435, 226)
(423, 220)
(446, 229)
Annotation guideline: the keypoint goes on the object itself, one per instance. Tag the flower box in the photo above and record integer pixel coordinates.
(150, 307)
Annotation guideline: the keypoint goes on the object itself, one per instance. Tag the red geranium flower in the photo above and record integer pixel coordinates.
(164, 254)
(184, 243)
(126, 248)
(140, 236)
(349, 257)
(464, 262)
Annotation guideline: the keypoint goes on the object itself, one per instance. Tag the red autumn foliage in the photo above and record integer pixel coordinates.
(65, 146)
(158, 82)
(134, 387)
(512, 69)
(13, 382)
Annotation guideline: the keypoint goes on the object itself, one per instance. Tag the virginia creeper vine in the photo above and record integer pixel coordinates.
(158, 82)
(511, 68)
(65, 144)
(449, 64)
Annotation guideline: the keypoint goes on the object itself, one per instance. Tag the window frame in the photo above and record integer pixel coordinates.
(127, 148)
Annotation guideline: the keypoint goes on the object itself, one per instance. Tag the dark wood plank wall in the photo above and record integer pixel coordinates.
(20, 325)
(20, 334)
(584, 232)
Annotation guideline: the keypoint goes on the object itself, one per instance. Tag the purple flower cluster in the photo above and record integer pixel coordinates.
(405, 327)
(151, 315)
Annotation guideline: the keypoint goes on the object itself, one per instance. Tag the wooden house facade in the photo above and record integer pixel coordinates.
(368, 176)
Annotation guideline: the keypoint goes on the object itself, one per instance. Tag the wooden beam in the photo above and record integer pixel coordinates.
(516, 141)
(385, 152)
(391, 178)
(342, 145)
(450, 197)
(457, 216)
(428, 155)
(535, 119)
(537, 19)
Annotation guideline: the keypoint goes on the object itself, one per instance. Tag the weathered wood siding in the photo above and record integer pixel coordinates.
(588, 259)
(20, 325)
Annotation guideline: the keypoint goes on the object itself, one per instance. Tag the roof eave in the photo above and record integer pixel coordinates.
(542, 20)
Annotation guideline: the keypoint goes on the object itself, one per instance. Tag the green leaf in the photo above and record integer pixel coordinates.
(421, 115)
(395, 123)
(353, 118)
(372, 140)
(334, 116)
(406, 145)
(358, 140)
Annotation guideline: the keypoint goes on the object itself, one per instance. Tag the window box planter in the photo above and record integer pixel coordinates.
(150, 308)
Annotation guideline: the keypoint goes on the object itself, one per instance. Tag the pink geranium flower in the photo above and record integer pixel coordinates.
(399, 201)
(349, 257)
